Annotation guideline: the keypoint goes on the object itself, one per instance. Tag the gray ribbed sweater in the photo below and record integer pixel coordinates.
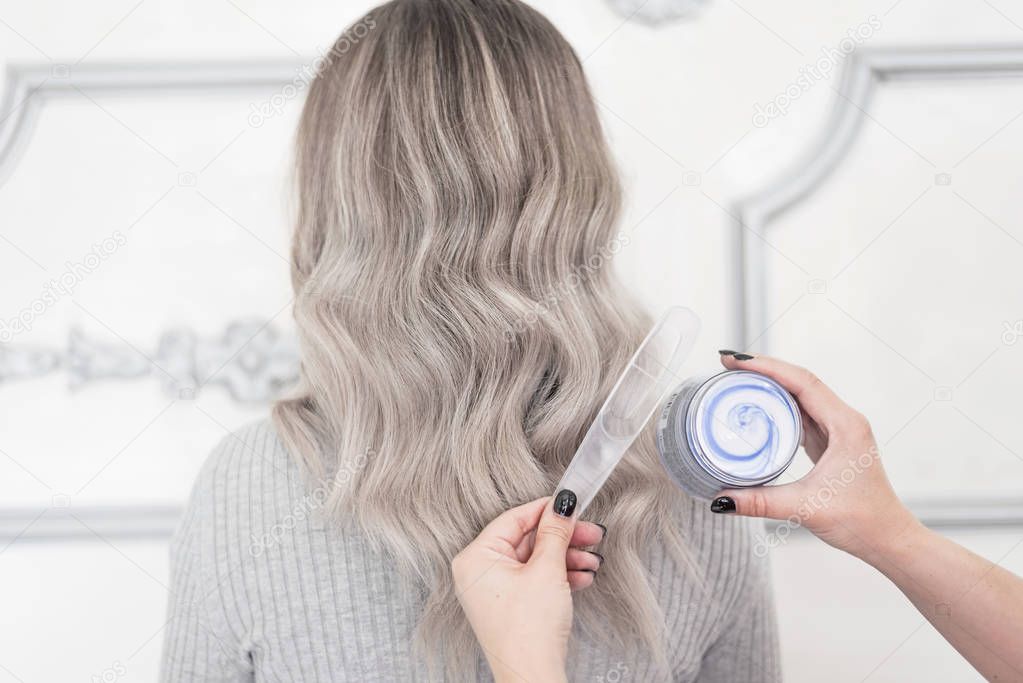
(264, 590)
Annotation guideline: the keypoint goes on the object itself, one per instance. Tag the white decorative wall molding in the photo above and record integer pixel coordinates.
(157, 522)
(957, 514)
(656, 12)
(252, 360)
(27, 88)
(98, 523)
(865, 71)
(268, 362)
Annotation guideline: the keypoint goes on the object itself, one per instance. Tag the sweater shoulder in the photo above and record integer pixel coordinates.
(246, 479)
(249, 461)
(254, 445)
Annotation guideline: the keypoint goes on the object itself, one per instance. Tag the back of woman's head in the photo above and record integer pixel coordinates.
(459, 318)
(453, 136)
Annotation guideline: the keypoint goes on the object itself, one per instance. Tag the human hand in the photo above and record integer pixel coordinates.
(514, 582)
(846, 499)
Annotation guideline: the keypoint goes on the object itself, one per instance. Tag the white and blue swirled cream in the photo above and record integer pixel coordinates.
(732, 429)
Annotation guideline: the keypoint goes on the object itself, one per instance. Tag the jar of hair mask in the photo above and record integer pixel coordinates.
(728, 430)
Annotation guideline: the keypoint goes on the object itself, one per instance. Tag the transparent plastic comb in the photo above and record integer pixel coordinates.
(640, 391)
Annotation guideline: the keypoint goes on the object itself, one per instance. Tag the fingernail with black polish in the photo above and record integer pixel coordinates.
(602, 528)
(727, 352)
(723, 504)
(742, 356)
(564, 503)
(599, 557)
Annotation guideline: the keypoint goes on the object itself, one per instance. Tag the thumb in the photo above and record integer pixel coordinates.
(554, 532)
(772, 502)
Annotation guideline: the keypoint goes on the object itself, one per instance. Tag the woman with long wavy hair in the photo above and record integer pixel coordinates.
(460, 327)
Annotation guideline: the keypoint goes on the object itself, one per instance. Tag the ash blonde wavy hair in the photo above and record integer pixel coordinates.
(454, 187)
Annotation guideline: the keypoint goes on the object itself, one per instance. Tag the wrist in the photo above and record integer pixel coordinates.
(548, 677)
(527, 668)
(894, 540)
(503, 674)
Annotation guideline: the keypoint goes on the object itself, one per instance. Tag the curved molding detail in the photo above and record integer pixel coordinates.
(252, 360)
(181, 359)
(27, 87)
(864, 70)
(656, 12)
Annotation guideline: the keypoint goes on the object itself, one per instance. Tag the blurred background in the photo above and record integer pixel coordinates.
(835, 183)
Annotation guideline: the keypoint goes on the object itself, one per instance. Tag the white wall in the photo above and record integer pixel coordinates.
(679, 103)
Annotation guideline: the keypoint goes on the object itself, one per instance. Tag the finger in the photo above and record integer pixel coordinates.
(553, 534)
(512, 526)
(772, 502)
(585, 534)
(581, 579)
(525, 548)
(813, 395)
(583, 559)
(814, 439)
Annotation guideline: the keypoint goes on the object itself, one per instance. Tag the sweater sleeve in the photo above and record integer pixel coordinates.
(746, 648)
(195, 648)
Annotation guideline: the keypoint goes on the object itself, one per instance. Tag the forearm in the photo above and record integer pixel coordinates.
(975, 604)
(526, 663)
(525, 671)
